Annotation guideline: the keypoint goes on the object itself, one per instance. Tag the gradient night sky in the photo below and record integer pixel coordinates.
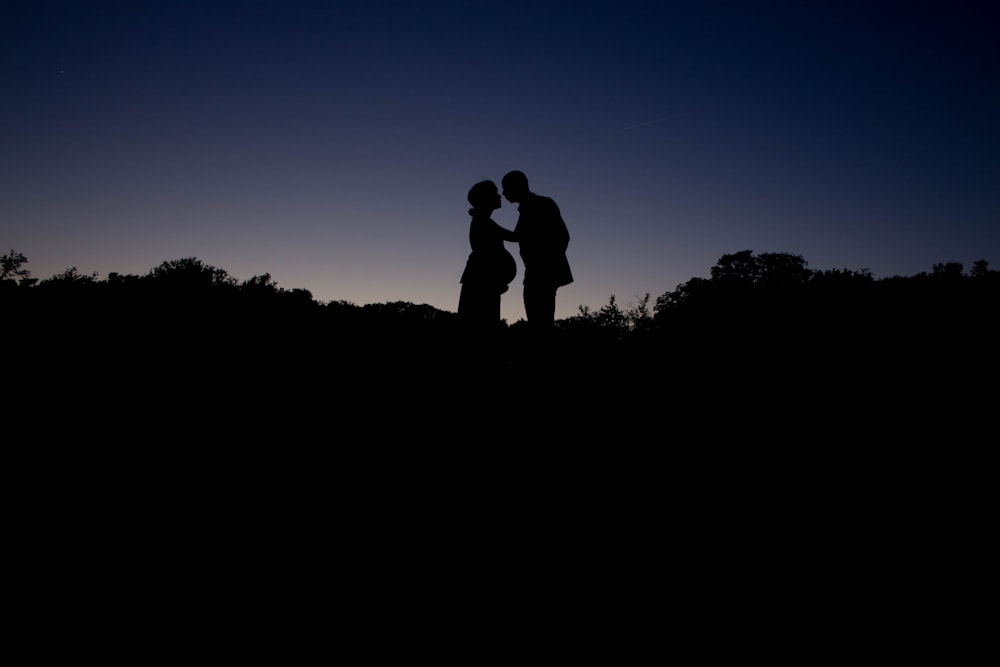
(332, 144)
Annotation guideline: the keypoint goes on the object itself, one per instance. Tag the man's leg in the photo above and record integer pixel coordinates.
(540, 306)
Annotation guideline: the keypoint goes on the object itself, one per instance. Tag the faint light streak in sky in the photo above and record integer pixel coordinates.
(644, 124)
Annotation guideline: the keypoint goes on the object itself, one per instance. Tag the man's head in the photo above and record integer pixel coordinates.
(515, 186)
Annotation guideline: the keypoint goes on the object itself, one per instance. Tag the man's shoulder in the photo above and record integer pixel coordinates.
(542, 202)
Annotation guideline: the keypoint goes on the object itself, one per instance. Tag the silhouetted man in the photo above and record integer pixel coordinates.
(543, 238)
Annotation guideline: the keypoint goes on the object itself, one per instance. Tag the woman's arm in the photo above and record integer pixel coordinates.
(505, 234)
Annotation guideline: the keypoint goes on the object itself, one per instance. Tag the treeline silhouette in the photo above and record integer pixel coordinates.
(764, 335)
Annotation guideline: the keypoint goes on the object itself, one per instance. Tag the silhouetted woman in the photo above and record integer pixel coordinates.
(490, 267)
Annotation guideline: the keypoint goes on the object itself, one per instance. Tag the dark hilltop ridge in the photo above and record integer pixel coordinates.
(764, 340)
(769, 416)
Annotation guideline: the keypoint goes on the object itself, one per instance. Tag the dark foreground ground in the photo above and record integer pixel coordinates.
(288, 387)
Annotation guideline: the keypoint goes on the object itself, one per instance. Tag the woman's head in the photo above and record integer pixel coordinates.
(484, 196)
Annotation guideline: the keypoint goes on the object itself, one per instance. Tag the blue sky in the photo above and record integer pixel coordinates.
(332, 144)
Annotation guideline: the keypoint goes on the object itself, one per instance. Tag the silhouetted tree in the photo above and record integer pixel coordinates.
(70, 277)
(190, 274)
(947, 269)
(12, 269)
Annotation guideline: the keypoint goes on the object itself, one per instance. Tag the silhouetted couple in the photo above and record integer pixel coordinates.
(542, 237)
